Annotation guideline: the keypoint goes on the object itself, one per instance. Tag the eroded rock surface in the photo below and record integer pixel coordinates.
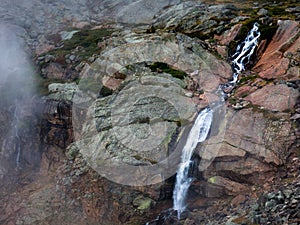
(195, 18)
(247, 153)
(275, 97)
(152, 100)
(281, 58)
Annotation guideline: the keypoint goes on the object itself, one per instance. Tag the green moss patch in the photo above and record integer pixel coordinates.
(105, 91)
(212, 180)
(143, 203)
(279, 11)
(164, 67)
(247, 78)
(199, 34)
(87, 40)
(44, 82)
(140, 158)
(232, 100)
(267, 32)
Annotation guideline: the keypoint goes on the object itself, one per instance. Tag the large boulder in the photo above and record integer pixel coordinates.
(137, 124)
(281, 58)
(134, 127)
(275, 97)
(247, 153)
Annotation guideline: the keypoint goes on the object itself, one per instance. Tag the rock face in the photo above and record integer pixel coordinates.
(195, 18)
(281, 58)
(57, 127)
(147, 87)
(123, 204)
(134, 127)
(248, 153)
(275, 97)
(142, 11)
(43, 19)
(155, 104)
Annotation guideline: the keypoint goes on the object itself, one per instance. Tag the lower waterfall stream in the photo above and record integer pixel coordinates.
(202, 124)
(198, 134)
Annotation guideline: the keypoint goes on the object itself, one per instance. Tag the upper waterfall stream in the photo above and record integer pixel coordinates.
(202, 124)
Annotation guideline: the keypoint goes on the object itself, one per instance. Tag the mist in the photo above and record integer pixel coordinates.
(17, 89)
(24, 27)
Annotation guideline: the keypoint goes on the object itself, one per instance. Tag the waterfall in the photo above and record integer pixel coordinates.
(197, 134)
(15, 127)
(17, 90)
(201, 127)
(244, 52)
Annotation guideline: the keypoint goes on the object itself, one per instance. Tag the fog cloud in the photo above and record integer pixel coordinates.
(17, 87)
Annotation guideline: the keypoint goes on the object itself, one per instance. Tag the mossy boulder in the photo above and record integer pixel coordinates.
(143, 203)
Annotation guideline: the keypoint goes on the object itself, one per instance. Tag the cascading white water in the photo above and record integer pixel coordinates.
(243, 52)
(201, 127)
(197, 134)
